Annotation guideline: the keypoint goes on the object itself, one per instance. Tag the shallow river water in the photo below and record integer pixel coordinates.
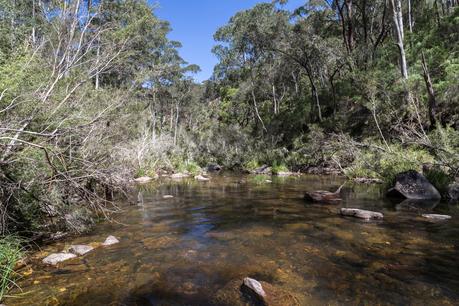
(196, 248)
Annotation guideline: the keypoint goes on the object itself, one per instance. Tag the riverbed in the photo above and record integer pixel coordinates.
(196, 247)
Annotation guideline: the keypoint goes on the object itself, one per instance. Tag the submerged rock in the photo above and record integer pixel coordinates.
(360, 213)
(417, 205)
(56, 258)
(436, 217)
(110, 241)
(80, 249)
(413, 185)
(201, 178)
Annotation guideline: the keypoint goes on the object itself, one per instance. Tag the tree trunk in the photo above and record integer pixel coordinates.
(176, 123)
(399, 35)
(430, 92)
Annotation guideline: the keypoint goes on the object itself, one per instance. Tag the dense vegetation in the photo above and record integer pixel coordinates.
(92, 93)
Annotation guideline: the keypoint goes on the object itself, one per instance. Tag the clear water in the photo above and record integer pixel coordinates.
(196, 248)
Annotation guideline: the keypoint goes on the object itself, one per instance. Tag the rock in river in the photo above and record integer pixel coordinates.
(322, 196)
(360, 213)
(80, 249)
(413, 185)
(56, 258)
(201, 178)
(436, 217)
(110, 240)
(255, 287)
(267, 294)
(179, 175)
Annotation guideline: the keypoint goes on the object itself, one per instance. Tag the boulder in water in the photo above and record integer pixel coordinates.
(255, 287)
(80, 249)
(325, 197)
(201, 178)
(263, 293)
(56, 258)
(362, 214)
(110, 241)
(436, 217)
(179, 175)
(413, 185)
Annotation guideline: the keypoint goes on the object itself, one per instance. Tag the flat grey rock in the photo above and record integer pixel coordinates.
(80, 249)
(179, 175)
(362, 214)
(54, 259)
(436, 217)
(201, 178)
(110, 241)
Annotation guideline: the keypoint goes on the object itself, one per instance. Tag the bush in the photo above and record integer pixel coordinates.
(11, 251)
(276, 168)
(439, 178)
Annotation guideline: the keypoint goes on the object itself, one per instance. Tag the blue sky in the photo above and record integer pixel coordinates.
(194, 23)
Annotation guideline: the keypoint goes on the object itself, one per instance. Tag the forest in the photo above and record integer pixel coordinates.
(93, 94)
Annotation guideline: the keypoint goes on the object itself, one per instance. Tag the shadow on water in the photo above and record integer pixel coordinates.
(195, 249)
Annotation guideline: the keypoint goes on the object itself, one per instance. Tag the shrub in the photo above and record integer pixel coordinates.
(276, 168)
(11, 251)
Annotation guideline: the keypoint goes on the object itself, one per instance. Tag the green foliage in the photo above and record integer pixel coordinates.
(11, 251)
(279, 167)
(387, 164)
(439, 178)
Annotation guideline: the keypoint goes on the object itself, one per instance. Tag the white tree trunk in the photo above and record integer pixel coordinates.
(399, 35)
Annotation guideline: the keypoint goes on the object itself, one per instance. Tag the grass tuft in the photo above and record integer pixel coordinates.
(11, 251)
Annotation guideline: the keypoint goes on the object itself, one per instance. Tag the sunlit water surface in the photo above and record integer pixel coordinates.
(193, 248)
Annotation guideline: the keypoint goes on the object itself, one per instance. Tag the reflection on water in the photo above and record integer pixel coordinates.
(195, 249)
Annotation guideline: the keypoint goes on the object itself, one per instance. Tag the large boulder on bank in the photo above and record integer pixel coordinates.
(56, 258)
(265, 169)
(214, 168)
(413, 185)
(453, 192)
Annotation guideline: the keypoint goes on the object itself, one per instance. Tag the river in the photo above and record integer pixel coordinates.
(196, 248)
